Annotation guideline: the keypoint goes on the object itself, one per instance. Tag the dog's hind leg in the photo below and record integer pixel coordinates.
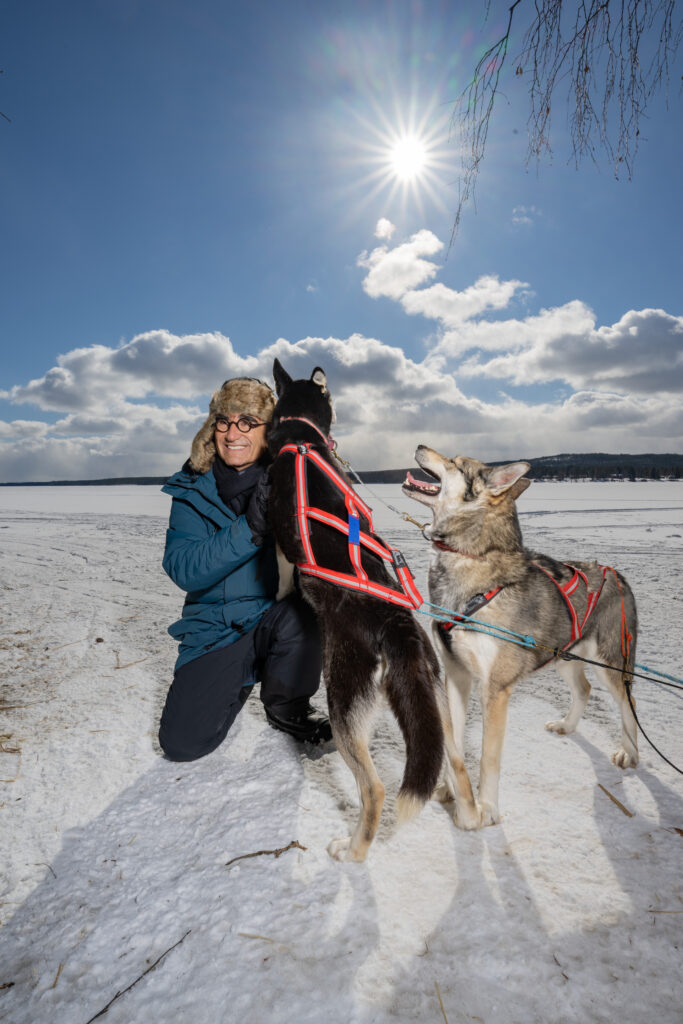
(351, 737)
(574, 675)
(627, 754)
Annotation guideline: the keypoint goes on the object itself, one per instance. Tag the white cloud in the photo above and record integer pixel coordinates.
(384, 228)
(453, 308)
(22, 428)
(571, 321)
(133, 409)
(153, 363)
(642, 352)
(525, 214)
(393, 272)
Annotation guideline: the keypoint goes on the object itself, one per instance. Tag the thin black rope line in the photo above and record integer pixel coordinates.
(627, 687)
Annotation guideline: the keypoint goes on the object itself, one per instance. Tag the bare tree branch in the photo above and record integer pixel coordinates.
(2, 71)
(607, 58)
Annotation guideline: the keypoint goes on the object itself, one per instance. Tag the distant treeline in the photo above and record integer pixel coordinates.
(592, 466)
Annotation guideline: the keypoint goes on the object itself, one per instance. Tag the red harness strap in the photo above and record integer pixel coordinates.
(568, 588)
(409, 597)
(472, 606)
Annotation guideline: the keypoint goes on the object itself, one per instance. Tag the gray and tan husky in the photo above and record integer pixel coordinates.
(480, 568)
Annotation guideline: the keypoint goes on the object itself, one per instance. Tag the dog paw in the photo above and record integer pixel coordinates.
(623, 759)
(468, 818)
(490, 815)
(442, 794)
(340, 849)
(559, 727)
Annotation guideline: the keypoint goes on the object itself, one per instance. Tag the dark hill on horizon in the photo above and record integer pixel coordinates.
(592, 465)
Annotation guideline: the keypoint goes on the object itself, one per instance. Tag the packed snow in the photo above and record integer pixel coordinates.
(136, 889)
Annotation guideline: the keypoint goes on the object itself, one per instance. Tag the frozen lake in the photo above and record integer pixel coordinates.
(128, 499)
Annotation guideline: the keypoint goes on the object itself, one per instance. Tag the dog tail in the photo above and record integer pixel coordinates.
(411, 682)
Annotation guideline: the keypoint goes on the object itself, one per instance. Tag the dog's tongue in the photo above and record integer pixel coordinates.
(420, 485)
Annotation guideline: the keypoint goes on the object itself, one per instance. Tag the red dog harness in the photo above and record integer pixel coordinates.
(408, 596)
(566, 589)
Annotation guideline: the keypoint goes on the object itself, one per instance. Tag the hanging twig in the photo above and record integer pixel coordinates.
(150, 968)
(274, 853)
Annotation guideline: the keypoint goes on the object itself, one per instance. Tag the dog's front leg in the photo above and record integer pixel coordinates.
(457, 785)
(494, 708)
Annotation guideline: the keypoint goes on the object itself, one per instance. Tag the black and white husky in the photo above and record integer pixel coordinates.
(480, 568)
(370, 647)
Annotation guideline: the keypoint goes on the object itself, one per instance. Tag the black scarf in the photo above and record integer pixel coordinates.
(235, 486)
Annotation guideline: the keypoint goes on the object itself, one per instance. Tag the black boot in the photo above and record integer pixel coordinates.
(307, 725)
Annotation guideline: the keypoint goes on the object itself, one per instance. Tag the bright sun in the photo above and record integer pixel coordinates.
(408, 158)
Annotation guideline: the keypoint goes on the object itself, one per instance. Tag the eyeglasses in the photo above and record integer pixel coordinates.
(244, 424)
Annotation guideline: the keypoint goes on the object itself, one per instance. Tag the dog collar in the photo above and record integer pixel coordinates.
(329, 441)
(456, 551)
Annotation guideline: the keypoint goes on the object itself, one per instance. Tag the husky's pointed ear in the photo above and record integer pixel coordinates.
(281, 377)
(520, 487)
(318, 377)
(508, 478)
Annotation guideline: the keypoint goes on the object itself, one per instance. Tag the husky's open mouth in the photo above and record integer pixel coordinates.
(421, 486)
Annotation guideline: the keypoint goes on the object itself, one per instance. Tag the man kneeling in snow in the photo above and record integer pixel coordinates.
(220, 551)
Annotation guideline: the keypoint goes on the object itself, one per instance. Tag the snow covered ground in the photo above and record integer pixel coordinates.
(569, 911)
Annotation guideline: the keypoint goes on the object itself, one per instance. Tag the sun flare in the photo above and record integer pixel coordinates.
(408, 157)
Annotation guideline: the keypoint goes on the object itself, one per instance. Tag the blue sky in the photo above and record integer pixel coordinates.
(188, 189)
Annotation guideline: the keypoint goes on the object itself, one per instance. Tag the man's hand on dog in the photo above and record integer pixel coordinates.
(256, 512)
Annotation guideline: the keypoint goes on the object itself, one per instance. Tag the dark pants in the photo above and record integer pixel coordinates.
(206, 694)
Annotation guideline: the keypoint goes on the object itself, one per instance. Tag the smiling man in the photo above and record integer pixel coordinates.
(220, 551)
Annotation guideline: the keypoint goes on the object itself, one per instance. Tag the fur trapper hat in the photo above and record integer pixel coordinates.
(239, 395)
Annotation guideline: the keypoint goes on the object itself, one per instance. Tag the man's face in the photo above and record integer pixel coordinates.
(238, 449)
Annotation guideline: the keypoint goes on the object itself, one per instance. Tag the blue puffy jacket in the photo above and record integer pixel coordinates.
(229, 580)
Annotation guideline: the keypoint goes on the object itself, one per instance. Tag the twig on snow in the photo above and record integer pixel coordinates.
(438, 992)
(59, 971)
(274, 853)
(150, 968)
(70, 644)
(7, 750)
(129, 663)
(44, 864)
(615, 801)
(29, 704)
